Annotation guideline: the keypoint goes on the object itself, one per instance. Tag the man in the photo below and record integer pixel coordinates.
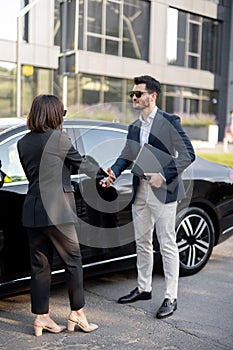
(156, 194)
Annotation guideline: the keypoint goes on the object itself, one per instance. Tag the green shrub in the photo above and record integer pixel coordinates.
(198, 119)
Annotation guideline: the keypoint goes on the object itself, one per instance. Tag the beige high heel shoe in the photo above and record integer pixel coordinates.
(39, 326)
(73, 320)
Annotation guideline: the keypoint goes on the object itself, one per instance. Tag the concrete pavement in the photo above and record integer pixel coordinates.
(205, 147)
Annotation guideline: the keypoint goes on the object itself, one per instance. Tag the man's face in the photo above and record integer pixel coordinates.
(146, 100)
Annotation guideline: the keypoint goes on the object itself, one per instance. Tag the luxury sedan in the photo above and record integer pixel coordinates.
(105, 229)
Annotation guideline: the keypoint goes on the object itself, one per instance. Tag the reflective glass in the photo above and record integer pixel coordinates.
(7, 83)
(8, 19)
(136, 26)
(11, 165)
(94, 17)
(202, 49)
(95, 141)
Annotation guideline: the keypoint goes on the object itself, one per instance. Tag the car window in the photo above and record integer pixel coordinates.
(76, 140)
(105, 145)
(11, 165)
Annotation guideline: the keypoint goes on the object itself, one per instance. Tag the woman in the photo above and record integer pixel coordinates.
(49, 213)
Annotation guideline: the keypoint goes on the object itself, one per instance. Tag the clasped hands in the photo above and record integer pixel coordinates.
(109, 180)
(154, 179)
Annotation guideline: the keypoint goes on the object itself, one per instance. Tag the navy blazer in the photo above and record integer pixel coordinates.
(46, 158)
(167, 135)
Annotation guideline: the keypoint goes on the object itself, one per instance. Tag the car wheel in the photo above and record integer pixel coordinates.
(195, 240)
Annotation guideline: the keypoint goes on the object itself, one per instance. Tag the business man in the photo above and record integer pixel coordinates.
(155, 195)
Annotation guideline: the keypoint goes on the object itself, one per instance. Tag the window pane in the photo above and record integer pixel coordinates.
(136, 29)
(192, 62)
(195, 18)
(112, 19)
(57, 24)
(194, 104)
(72, 91)
(188, 102)
(112, 47)
(172, 27)
(113, 93)
(8, 83)
(80, 25)
(172, 89)
(95, 141)
(35, 81)
(181, 38)
(172, 95)
(207, 56)
(68, 42)
(93, 44)
(209, 102)
(90, 87)
(172, 104)
(8, 19)
(94, 19)
(70, 25)
(193, 37)
(210, 45)
(11, 165)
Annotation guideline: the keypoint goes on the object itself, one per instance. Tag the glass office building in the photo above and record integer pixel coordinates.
(88, 51)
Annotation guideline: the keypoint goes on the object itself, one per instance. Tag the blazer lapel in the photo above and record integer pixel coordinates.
(156, 126)
(136, 131)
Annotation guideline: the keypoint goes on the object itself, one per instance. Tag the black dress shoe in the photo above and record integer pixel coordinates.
(134, 295)
(167, 308)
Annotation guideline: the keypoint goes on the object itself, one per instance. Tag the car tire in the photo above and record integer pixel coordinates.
(195, 240)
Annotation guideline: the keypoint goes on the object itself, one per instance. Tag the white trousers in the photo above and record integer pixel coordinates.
(148, 212)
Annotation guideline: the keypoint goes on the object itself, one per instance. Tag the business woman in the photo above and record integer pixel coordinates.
(49, 213)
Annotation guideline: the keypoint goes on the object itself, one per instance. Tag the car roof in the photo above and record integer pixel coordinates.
(67, 122)
(95, 123)
(6, 123)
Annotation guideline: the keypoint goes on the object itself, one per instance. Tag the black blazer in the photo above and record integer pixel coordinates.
(46, 158)
(167, 135)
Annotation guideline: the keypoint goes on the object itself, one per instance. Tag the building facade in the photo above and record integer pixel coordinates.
(88, 51)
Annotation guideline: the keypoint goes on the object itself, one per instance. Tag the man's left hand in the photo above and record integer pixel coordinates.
(155, 179)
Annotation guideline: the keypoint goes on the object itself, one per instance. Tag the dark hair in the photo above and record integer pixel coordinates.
(46, 113)
(152, 84)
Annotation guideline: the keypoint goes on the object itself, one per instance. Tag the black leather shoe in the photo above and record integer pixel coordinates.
(134, 295)
(167, 308)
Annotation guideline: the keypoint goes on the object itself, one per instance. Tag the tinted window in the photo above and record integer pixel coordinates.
(104, 145)
(11, 165)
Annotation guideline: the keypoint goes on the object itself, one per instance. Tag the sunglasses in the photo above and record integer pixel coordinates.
(138, 94)
(64, 113)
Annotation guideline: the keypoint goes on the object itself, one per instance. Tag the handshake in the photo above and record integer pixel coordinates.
(107, 181)
(154, 179)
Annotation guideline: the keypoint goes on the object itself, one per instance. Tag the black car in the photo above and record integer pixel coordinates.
(105, 230)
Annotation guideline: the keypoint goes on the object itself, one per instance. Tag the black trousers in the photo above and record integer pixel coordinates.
(42, 242)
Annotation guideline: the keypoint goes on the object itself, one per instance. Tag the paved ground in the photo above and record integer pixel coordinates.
(203, 320)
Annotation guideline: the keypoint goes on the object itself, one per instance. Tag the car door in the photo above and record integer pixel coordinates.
(105, 224)
(14, 256)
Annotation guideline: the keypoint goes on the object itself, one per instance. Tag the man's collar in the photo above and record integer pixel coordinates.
(150, 117)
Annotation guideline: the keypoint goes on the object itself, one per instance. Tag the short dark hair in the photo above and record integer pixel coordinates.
(151, 83)
(46, 113)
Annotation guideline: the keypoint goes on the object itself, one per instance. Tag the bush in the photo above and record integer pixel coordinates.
(198, 119)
